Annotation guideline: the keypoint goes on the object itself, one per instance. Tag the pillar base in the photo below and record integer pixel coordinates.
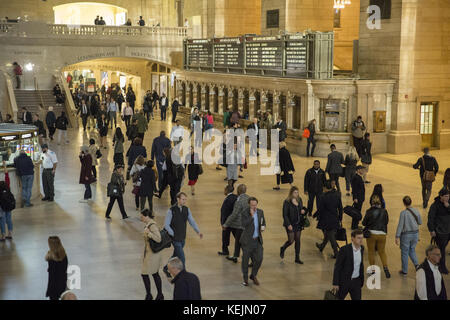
(399, 142)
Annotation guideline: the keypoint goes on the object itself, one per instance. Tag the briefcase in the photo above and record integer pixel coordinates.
(341, 235)
(353, 212)
(329, 295)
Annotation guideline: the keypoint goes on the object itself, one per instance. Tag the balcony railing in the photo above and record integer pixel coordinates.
(75, 31)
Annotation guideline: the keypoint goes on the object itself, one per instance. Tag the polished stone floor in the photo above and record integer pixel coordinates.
(109, 253)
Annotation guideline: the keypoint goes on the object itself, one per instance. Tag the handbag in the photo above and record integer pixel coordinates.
(366, 233)
(341, 235)
(98, 154)
(353, 212)
(286, 178)
(112, 190)
(306, 133)
(166, 241)
(330, 295)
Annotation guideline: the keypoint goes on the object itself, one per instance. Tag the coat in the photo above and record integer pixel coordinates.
(151, 262)
(285, 161)
(57, 277)
(439, 217)
(343, 268)
(335, 160)
(376, 219)
(282, 133)
(135, 151)
(86, 169)
(430, 165)
(142, 124)
(93, 152)
(118, 180)
(366, 153)
(249, 227)
(148, 182)
(158, 146)
(358, 188)
(292, 214)
(329, 211)
(227, 207)
(187, 286)
(193, 168)
(240, 206)
(50, 119)
(314, 182)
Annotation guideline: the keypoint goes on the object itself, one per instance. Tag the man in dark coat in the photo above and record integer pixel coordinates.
(158, 146)
(348, 275)
(358, 193)
(155, 99)
(175, 105)
(163, 104)
(314, 182)
(27, 117)
(439, 224)
(334, 165)
(50, 120)
(426, 163)
(225, 212)
(281, 127)
(187, 285)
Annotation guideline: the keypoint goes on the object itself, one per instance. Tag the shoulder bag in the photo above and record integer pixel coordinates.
(112, 190)
(428, 176)
(166, 241)
(414, 215)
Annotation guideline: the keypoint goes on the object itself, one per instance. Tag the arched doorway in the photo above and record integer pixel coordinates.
(84, 13)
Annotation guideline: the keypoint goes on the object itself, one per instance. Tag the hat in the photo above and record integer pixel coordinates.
(44, 146)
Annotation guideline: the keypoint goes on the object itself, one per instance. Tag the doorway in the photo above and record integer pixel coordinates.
(428, 121)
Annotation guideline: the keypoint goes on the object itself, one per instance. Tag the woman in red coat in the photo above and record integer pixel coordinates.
(86, 176)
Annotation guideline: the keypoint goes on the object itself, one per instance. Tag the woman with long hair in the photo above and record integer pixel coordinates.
(351, 159)
(366, 155)
(118, 141)
(378, 191)
(151, 262)
(57, 268)
(294, 216)
(193, 169)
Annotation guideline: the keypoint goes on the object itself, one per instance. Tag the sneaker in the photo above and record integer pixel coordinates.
(402, 273)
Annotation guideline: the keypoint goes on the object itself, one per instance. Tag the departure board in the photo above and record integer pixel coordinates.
(264, 53)
(296, 55)
(199, 53)
(228, 53)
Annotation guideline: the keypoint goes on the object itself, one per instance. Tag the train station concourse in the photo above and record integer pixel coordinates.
(340, 113)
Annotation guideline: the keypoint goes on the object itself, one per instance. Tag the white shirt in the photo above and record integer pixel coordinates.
(176, 133)
(356, 261)
(163, 101)
(421, 282)
(48, 159)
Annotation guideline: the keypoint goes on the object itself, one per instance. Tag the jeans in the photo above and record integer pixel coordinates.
(60, 133)
(163, 114)
(87, 192)
(178, 250)
(309, 142)
(27, 186)
(113, 117)
(6, 218)
(408, 242)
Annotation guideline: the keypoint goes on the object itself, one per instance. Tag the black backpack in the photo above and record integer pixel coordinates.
(7, 201)
(59, 123)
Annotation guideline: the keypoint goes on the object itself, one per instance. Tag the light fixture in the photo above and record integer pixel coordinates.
(347, 2)
(29, 66)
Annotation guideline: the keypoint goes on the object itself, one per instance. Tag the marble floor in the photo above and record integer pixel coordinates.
(109, 253)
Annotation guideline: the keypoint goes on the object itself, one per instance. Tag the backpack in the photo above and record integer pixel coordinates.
(7, 201)
(306, 133)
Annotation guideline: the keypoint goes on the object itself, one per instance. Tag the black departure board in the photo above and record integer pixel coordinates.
(264, 53)
(228, 53)
(199, 53)
(296, 55)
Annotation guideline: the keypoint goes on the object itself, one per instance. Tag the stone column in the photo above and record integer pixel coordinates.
(194, 92)
(179, 93)
(252, 103)
(188, 95)
(290, 104)
(264, 101)
(241, 101)
(212, 96)
(203, 96)
(221, 98)
(230, 98)
(276, 106)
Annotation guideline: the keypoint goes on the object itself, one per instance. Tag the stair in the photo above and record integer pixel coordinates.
(31, 99)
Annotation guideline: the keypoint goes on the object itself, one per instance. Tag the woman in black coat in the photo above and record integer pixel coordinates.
(193, 168)
(136, 149)
(294, 222)
(57, 268)
(366, 155)
(102, 126)
(148, 185)
(286, 166)
(329, 216)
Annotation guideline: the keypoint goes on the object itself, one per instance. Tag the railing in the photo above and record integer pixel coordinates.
(64, 30)
(11, 107)
(69, 105)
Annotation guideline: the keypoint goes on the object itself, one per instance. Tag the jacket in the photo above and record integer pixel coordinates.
(50, 119)
(57, 278)
(28, 118)
(86, 169)
(312, 131)
(376, 219)
(62, 122)
(439, 217)
(343, 268)
(285, 161)
(350, 162)
(152, 262)
(148, 182)
(335, 160)
(93, 152)
(175, 106)
(187, 286)
(227, 207)
(407, 223)
(240, 206)
(142, 124)
(132, 132)
(282, 133)
(24, 165)
(358, 188)
(117, 179)
(158, 146)
(314, 182)
(166, 103)
(292, 214)
(358, 131)
(366, 153)
(329, 211)
(430, 165)
(134, 152)
(249, 227)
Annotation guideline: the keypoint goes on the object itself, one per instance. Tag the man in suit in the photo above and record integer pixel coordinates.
(175, 105)
(254, 137)
(314, 183)
(234, 221)
(281, 127)
(334, 165)
(426, 162)
(225, 212)
(163, 103)
(84, 113)
(251, 240)
(27, 117)
(348, 276)
(358, 193)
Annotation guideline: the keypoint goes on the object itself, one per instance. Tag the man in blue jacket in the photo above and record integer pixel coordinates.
(25, 170)
(158, 146)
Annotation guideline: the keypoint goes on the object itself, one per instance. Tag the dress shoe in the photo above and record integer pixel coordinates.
(125, 217)
(319, 247)
(282, 252)
(148, 297)
(217, 168)
(221, 253)
(159, 297)
(276, 188)
(234, 259)
(240, 177)
(255, 281)
(366, 181)
(50, 200)
(109, 218)
(298, 261)
(245, 283)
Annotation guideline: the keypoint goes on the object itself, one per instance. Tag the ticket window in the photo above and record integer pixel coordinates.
(333, 115)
